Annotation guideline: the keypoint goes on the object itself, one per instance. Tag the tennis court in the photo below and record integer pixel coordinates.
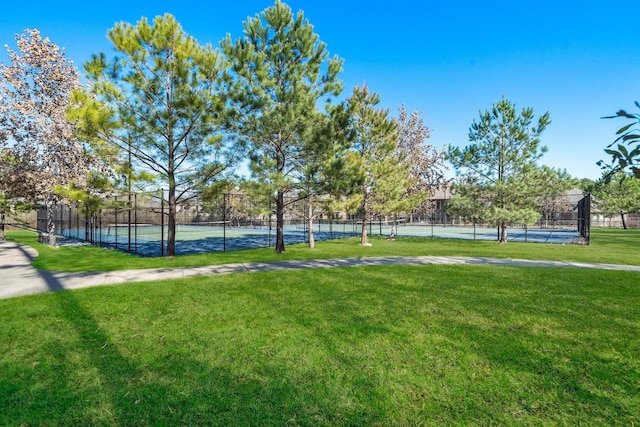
(237, 221)
(145, 239)
(515, 234)
(148, 240)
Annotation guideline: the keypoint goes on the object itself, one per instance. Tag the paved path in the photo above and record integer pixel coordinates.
(18, 277)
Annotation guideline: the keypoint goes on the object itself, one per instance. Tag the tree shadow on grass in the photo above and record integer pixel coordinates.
(525, 374)
(109, 373)
(324, 346)
(53, 392)
(94, 377)
(592, 387)
(541, 356)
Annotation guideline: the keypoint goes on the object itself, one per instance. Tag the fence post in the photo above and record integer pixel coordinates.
(115, 215)
(135, 219)
(269, 223)
(100, 227)
(161, 222)
(129, 222)
(86, 225)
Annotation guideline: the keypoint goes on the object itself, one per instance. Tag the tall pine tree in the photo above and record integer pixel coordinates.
(501, 161)
(373, 159)
(158, 100)
(279, 74)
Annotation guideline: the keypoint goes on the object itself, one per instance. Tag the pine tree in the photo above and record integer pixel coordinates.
(372, 158)
(502, 161)
(280, 72)
(617, 194)
(158, 101)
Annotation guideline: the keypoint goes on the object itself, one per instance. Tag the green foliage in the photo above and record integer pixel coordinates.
(391, 193)
(323, 174)
(587, 185)
(91, 198)
(372, 160)
(504, 142)
(471, 201)
(279, 73)
(157, 100)
(502, 161)
(626, 155)
(217, 190)
(551, 194)
(617, 194)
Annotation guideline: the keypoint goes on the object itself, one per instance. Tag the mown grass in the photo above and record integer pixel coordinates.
(385, 345)
(608, 246)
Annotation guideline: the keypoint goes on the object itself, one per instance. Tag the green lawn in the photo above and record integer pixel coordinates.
(385, 345)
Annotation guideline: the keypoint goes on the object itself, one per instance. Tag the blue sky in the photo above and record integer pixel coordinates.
(579, 60)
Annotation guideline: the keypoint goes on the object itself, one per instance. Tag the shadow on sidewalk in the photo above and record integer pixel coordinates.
(47, 276)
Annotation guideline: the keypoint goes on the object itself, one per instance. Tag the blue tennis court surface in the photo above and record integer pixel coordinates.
(145, 240)
(519, 234)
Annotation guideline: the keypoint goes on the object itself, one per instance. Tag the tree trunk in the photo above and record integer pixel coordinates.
(503, 234)
(280, 222)
(624, 223)
(363, 233)
(365, 216)
(171, 223)
(312, 243)
(51, 224)
(394, 228)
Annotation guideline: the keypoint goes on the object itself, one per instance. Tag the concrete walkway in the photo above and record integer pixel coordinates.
(18, 277)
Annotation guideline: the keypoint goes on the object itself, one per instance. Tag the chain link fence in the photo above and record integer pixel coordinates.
(137, 223)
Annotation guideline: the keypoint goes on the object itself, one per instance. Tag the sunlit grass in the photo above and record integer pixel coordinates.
(387, 345)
